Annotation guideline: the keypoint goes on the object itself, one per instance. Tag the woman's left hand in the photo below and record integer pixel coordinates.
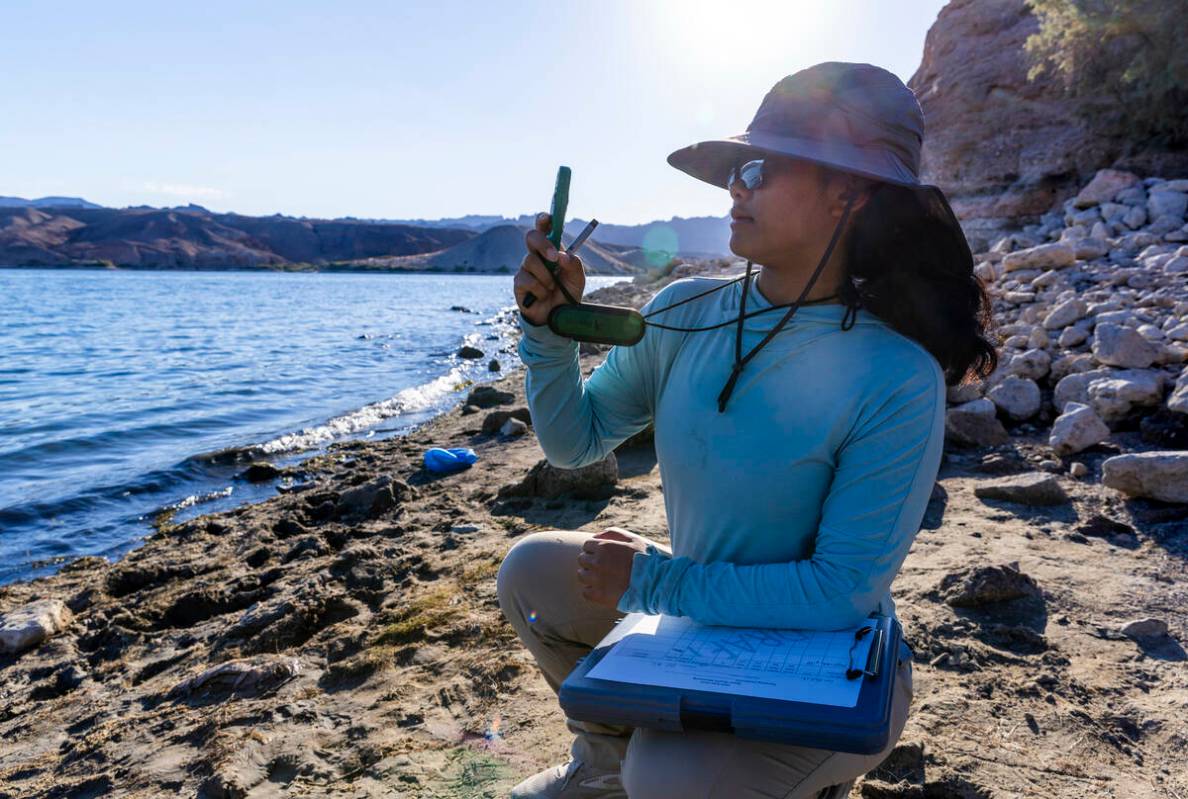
(604, 565)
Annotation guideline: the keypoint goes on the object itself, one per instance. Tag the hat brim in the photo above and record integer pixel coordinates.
(711, 160)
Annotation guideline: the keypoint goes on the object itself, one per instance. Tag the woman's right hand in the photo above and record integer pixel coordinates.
(534, 276)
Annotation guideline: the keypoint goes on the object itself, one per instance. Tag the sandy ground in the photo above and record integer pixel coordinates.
(369, 656)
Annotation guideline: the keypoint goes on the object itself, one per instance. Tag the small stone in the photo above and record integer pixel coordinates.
(1034, 488)
(1078, 469)
(513, 427)
(1073, 335)
(1124, 393)
(29, 625)
(495, 420)
(470, 352)
(1065, 314)
(1140, 629)
(493, 365)
(974, 424)
(592, 481)
(1155, 475)
(1077, 429)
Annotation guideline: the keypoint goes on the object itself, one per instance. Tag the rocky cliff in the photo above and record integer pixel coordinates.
(1004, 148)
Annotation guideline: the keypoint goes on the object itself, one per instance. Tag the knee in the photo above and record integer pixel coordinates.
(530, 559)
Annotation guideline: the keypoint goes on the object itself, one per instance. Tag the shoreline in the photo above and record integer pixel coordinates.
(346, 639)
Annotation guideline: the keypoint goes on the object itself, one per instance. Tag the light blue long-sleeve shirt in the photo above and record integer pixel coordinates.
(794, 508)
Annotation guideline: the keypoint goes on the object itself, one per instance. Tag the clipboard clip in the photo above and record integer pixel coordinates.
(873, 657)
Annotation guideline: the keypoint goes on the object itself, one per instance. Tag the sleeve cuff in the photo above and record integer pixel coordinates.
(543, 338)
(644, 574)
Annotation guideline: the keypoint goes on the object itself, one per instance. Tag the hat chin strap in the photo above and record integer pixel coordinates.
(739, 360)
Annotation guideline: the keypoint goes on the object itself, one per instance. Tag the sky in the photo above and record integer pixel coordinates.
(404, 110)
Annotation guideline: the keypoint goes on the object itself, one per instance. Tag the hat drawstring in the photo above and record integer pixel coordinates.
(739, 360)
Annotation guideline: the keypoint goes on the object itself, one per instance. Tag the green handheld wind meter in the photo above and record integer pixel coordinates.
(557, 222)
(602, 324)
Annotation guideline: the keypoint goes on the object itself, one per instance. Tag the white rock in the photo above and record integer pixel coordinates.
(1151, 333)
(1135, 218)
(1167, 203)
(1017, 397)
(1119, 396)
(1045, 256)
(31, 624)
(1078, 469)
(986, 271)
(1032, 365)
(1076, 429)
(1075, 387)
(1156, 475)
(1065, 314)
(1096, 246)
(1178, 401)
(1176, 265)
(978, 407)
(513, 427)
(1121, 346)
(1099, 231)
(1073, 335)
(965, 392)
(1104, 186)
(1039, 339)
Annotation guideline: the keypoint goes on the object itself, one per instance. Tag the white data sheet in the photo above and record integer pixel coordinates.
(795, 665)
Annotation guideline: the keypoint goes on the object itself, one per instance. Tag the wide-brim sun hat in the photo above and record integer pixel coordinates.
(855, 118)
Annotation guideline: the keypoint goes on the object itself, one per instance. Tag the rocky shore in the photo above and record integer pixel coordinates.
(344, 639)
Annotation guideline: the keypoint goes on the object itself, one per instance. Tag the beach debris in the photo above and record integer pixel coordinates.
(1144, 629)
(29, 625)
(445, 461)
(241, 675)
(488, 396)
(987, 585)
(261, 472)
(495, 420)
(513, 427)
(593, 481)
(468, 351)
(1034, 488)
(374, 497)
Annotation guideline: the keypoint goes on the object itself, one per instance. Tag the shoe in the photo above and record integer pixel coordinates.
(572, 780)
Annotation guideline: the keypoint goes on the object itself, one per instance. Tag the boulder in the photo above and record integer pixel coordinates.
(1116, 345)
(1178, 401)
(1155, 475)
(987, 585)
(1076, 429)
(1035, 488)
(1104, 186)
(1017, 397)
(29, 625)
(1144, 629)
(375, 497)
(1117, 397)
(974, 424)
(593, 481)
(495, 420)
(488, 396)
(1045, 256)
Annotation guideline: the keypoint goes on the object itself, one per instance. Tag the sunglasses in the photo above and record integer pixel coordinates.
(750, 173)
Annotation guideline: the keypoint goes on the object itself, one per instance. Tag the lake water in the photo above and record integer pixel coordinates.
(116, 387)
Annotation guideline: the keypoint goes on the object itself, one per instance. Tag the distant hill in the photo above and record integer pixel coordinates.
(698, 236)
(501, 249)
(194, 238)
(46, 202)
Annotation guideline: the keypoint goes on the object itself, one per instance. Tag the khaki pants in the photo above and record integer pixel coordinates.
(540, 596)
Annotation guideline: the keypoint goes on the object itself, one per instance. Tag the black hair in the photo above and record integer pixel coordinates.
(906, 264)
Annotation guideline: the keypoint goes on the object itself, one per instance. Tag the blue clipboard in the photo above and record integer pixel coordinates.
(863, 729)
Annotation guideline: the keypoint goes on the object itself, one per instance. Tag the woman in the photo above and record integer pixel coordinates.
(797, 448)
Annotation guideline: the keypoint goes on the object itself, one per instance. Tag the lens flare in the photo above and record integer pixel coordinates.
(532, 615)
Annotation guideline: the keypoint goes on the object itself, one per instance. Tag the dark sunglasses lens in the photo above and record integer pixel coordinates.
(751, 174)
